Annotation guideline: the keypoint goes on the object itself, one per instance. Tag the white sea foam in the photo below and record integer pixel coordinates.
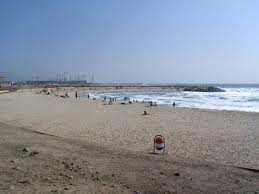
(240, 99)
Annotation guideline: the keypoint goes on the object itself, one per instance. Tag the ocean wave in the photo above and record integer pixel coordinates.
(237, 99)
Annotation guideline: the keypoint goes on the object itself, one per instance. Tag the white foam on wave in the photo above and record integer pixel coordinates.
(236, 99)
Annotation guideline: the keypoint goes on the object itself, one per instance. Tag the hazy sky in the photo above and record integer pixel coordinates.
(174, 41)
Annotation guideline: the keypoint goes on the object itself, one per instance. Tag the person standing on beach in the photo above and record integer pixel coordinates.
(76, 94)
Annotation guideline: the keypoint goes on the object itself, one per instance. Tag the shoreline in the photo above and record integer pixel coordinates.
(169, 105)
(195, 108)
(71, 91)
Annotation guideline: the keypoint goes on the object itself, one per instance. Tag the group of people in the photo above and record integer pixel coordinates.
(111, 99)
(151, 103)
(77, 96)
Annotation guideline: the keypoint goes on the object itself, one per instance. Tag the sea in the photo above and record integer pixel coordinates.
(236, 98)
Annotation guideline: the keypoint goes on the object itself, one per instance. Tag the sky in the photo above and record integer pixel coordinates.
(147, 41)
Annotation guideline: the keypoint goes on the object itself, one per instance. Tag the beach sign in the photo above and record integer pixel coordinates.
(159, 143)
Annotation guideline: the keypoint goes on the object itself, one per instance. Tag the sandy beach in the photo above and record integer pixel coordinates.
(218, 136)
(221, 140)
(33, 162)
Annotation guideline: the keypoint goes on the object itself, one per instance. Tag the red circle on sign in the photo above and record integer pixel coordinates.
(159, 140)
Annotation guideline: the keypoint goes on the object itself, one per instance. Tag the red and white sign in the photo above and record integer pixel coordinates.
(159, 143)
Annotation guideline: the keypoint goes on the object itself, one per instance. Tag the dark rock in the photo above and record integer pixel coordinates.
(127, 186)
(33, 153)
(95, 178)
(201, 89)
(25, 149)
(69, 176)
(16, 168)
(24, 181)
(177, 174)
(65, 164)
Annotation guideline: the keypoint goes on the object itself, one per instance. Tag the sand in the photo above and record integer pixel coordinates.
(4, 91)
(51, 164)
(223, 137)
